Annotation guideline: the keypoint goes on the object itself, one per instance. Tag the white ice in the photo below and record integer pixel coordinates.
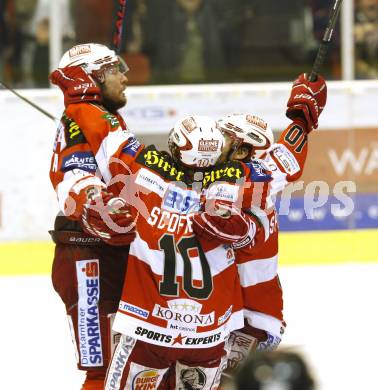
(331, 313)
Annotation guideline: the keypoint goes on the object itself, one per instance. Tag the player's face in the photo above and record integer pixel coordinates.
(113, 88)
(239, 155)
(228, 141)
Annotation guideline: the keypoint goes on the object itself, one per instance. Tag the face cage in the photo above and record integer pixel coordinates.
(118, 65)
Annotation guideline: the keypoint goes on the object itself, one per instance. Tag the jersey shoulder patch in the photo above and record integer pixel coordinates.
(93, 118)
(111, 119)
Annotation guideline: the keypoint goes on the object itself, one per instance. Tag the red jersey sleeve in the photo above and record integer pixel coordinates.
(286, 158)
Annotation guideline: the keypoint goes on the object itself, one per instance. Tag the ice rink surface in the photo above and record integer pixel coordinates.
(331, 313)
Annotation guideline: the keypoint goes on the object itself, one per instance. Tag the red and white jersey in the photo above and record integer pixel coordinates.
(179, 292)
(174, 290)
(76, 163)
(262, 293)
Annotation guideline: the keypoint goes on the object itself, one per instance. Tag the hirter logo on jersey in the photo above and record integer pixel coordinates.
(230, 172)
(158, 162)
(208, 145)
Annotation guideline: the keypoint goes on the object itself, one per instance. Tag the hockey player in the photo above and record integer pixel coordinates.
(175, 326)
(80, 173)
(249, 137)
(90, 261)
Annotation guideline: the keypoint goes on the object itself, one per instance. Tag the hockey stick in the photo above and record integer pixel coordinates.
(40, 109)
(322, 51)
(117, 36)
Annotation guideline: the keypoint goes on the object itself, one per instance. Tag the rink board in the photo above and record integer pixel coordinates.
(326, 247)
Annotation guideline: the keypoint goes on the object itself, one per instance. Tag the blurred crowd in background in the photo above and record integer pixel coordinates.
(188, 41)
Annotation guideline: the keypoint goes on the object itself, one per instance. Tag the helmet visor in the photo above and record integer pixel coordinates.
(115, 67)
(123, 68)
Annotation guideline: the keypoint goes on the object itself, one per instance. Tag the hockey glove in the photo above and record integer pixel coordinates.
(76, 85)
(307, 100)
(108, 218)
(224, 224)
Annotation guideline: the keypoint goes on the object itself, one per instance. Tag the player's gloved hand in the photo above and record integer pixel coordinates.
(307, 100)
(255, 236)
(224, 224)
(76, 85)
(109, 218)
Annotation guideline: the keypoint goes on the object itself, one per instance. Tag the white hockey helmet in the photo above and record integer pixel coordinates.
(94, 58)
(247, 129)
(196, 141)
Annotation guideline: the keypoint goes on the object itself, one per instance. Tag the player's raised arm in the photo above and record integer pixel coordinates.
(306, 102)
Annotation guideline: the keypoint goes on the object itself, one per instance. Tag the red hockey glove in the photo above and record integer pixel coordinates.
(108, 218)
(255, 236)
(307, 100)
(76, 85)
(224, 225)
